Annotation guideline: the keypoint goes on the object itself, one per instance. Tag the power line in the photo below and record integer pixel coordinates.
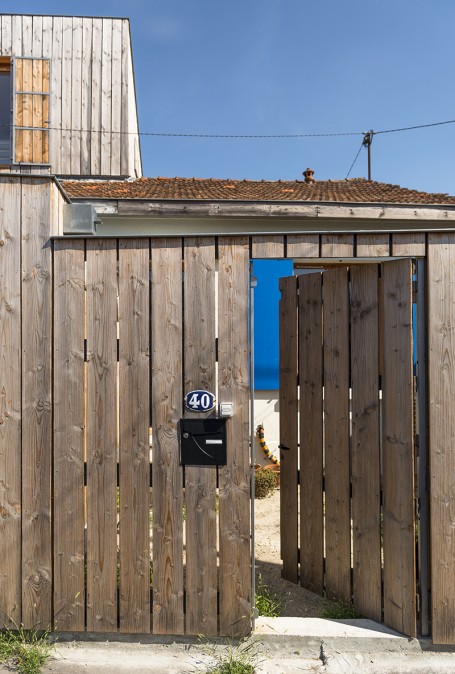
(239, 135)
(355, 159)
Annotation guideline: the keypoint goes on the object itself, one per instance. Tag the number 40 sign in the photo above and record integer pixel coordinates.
(200, 401)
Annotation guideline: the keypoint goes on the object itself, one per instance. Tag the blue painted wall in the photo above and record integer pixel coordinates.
(266, 315)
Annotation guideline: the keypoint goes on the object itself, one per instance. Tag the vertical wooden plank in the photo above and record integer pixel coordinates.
(27, 110)
(101, 422)
(27, 35)
(366, 511)
(398, 448)
(311, 432)
(95, 125)
(37, 36)
(372, 245)
(106, 97)
(412, 243)
(116, 89)
(125, 93)
(46, 112)
(6, 36)
(10, 402)
(56, 100)
(441, 350)
(268, 246)
(16, 35)
(167, 397)
(336, 421)
(200, 481)
(69, 432)
(66, 92)
(36, 403)
(86, 103)
(337, 245)
(288, 428)
(19, 110)
(234, 478)
(46, 51)
(302, 245)
(134, 382)
(37, 111)
(76, 96)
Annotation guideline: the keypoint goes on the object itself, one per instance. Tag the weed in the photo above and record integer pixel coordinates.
(239, 659)
(26, 650)
(265, 481)
(338, 610)
(267, 602)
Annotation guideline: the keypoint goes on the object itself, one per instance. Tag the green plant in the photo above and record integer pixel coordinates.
(267, 602)
(25, 650)
(264, 482)
(233, 659)
(338, 610)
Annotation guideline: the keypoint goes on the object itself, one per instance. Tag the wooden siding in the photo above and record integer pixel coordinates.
(92, 103)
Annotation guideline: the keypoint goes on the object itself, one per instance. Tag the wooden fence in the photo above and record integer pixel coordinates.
(134, 326)
(346, 339)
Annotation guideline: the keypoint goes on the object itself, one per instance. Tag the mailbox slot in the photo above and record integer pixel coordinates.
(202, 442)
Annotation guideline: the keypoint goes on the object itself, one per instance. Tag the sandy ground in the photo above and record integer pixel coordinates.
(295, 600)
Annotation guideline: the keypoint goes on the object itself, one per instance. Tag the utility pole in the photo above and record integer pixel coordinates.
(367, 140)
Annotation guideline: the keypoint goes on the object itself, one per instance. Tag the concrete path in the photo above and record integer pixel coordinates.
(281, 645)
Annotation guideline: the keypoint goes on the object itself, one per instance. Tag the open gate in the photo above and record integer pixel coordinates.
(348, 506)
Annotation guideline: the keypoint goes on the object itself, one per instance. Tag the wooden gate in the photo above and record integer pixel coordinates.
(131, 335)
(347, 438)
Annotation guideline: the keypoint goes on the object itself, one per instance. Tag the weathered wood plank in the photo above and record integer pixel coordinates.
(86, 103)
(413, 243)
(200, 481)
(311, 433)
(116, 93)
(125, 141)
(336, 421)
(66, 93)
(302, 245)
(288, 402)
(366, 515)
(337, 245)
(56, 89)
(10, 403)
(441, 350)
(27, 35)
(372, 245)
(166, 411)
(6, 36)
(95, 120)
(36, 404)
(398, 448)
(69, 432)
(134, 413)
(101, 278)
(16, 35)
(45, 112)
(234, 478)
(77, 84)
(106, 97)
(268, 246)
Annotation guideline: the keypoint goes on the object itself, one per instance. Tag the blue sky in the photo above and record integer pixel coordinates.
(290, 66)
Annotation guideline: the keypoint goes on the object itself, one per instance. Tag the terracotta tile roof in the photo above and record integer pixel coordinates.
(354, 190)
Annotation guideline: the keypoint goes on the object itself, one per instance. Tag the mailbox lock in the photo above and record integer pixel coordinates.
(186, 435)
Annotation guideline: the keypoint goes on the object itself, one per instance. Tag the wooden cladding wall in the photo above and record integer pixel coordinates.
(91, 107)
(148, 337)
(357, 504)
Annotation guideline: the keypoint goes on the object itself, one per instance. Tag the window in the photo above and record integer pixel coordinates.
(5, 110)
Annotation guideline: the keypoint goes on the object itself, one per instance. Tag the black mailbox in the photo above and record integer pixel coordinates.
(203, 442)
